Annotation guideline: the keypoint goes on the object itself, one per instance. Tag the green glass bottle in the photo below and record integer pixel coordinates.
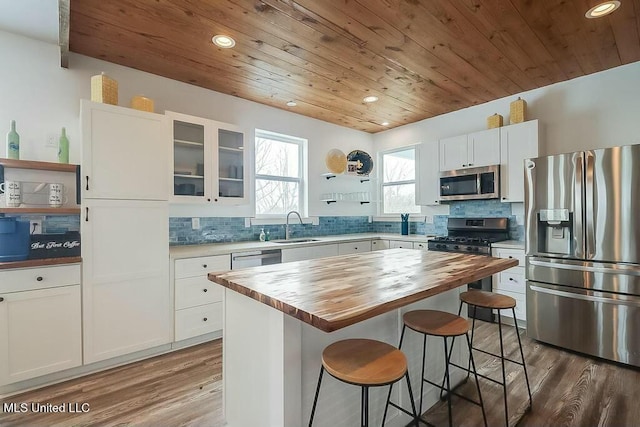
(13, 142)
(63, 147)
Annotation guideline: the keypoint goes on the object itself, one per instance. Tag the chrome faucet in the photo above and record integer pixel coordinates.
(286, 227)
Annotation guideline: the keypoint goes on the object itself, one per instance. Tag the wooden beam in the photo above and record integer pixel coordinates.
(64, 9)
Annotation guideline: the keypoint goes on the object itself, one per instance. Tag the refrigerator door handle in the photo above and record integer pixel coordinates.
(589, 199)
(632, 303)
(578, 229)
(619, 269)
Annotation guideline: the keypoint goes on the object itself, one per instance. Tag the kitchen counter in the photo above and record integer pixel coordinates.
(190, 251)
(335, 292)
(40, 262)
(279, 318)
(509, 244)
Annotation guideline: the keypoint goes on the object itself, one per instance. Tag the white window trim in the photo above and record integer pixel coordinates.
(267, 219)
(392, 217)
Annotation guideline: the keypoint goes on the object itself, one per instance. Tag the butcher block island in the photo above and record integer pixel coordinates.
(279, 318)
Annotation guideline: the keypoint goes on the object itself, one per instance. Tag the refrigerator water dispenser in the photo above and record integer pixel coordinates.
(555, 228)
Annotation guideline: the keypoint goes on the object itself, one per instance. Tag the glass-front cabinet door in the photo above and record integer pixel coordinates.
(191, 152)
(231, 164)
(209, 161)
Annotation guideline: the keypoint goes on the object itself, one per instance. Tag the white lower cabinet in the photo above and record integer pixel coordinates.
(379, 244)
(512, 282)
(198, 301)
(356, 247)
(126, 292)
(40, 329)
(393, 244)
(309, 252)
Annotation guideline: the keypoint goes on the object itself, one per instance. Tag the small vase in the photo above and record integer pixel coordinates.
(404, 228)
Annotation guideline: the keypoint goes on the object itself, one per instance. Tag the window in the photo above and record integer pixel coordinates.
(280, 174)
(398, 187)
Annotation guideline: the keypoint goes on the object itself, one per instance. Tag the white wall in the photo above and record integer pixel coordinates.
(595, 111)
(42, 98)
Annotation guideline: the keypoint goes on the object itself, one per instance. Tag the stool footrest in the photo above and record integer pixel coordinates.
(400, 408)
(477, 373)
(452, 390)
(497, 355)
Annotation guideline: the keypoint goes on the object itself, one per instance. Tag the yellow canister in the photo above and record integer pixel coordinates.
(142, 103)
(104, 89)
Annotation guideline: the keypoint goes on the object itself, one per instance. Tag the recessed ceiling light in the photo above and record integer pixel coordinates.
(385, 123)
(223, 41)
(370, 98)
(602, 9)
(291, 104)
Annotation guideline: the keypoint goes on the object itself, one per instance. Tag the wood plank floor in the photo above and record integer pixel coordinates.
(185, 389)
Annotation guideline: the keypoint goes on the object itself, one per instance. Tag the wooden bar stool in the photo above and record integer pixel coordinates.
(365, 363)
(445, 325)
(495, 301)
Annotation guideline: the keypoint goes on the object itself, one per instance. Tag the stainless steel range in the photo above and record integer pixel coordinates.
(473, 236)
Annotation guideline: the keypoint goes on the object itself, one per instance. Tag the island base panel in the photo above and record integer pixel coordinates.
(271, 363)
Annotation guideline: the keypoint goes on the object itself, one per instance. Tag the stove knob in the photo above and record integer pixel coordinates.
(469, 248)
(456, 247)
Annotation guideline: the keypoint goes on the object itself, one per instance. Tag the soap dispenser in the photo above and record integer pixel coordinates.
(262, 235)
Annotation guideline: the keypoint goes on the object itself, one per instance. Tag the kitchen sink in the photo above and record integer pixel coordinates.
(296, 241)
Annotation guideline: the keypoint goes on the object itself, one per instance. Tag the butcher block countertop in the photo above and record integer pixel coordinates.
(335, 292)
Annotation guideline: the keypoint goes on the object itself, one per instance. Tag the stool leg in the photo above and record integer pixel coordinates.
(504, 376)
(475, 374)
(473, 329)
(446, 373)
(315, 399)
(364, 413)
(450, 352)
(386, 407)
(524, 365)
(416, 417)
(424, 355)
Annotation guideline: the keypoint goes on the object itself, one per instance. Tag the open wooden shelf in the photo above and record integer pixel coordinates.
(42, 210)
(33, 164)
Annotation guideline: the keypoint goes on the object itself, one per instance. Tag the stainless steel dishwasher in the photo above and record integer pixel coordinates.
(255, 258)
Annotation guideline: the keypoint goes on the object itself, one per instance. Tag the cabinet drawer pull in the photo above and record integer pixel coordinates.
(356, 248)
(510, 257)
(205, 319)
(87, 187)
(204, 265)
(39, 278)
(1, 299)
(511, 279)
(205, 290)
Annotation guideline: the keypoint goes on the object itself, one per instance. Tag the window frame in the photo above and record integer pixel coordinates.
(414, 181)
(301, 179)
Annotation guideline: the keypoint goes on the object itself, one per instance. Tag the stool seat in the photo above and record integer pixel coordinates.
(364, 362)
(437, 323)
(487, 299)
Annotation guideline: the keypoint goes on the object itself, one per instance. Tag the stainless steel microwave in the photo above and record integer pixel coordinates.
(470, 183)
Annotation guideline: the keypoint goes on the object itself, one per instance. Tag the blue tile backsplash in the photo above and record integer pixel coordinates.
(232, 229)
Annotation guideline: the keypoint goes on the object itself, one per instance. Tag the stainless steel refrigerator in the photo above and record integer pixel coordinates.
(583, 251)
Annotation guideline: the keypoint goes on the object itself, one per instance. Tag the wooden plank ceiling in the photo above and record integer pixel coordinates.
(421, 58)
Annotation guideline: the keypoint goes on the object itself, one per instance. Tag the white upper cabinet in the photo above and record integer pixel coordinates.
(484, 148)
(124, 153)
(469, 151)
(428, 186)
(453, 152)
(517, 143)
(209, 161)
